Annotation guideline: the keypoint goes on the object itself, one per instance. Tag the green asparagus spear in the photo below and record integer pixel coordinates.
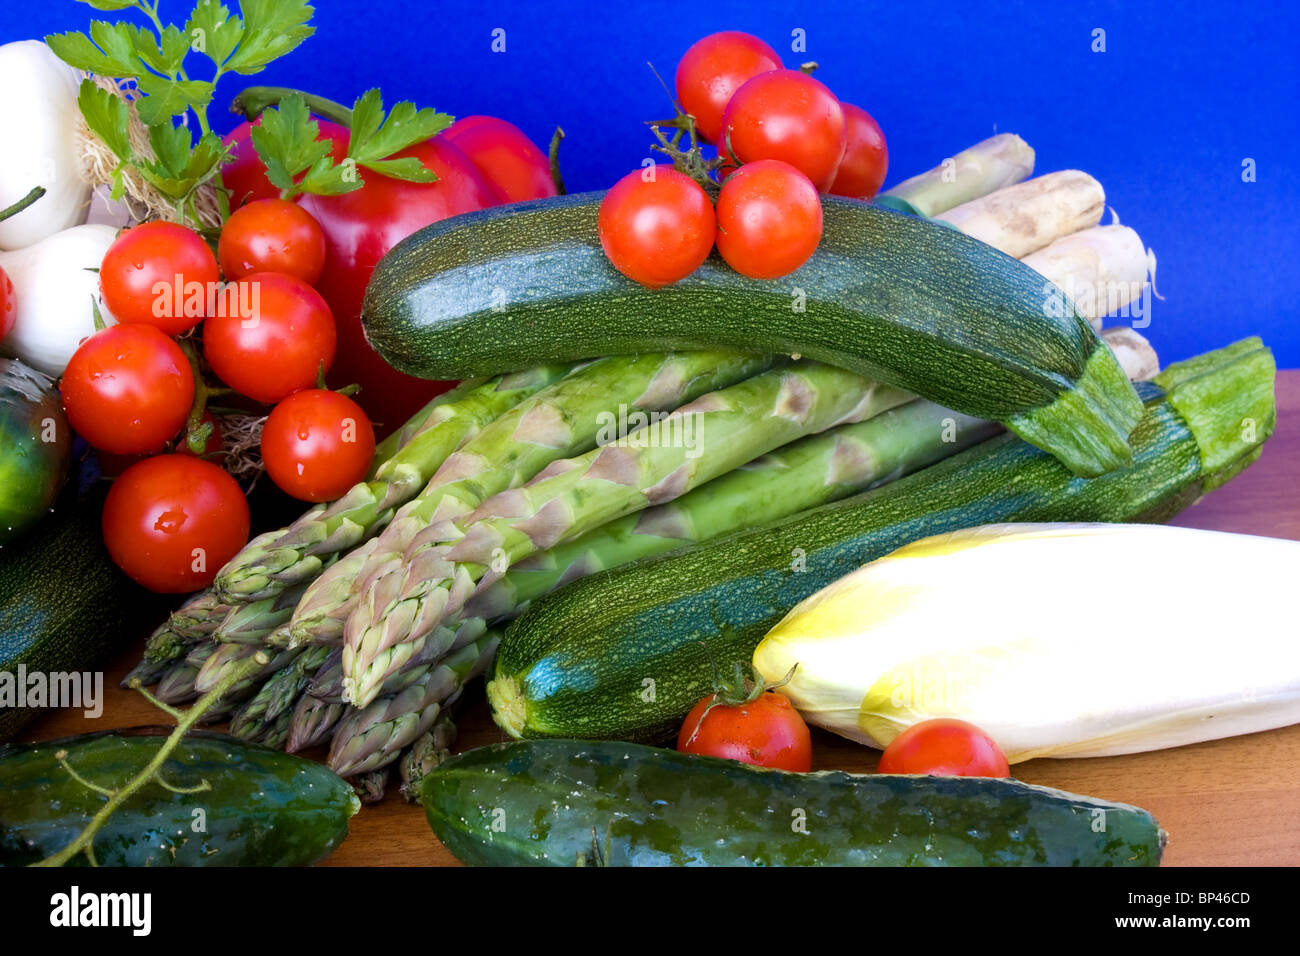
(371, 787)
(273, 562)
(177, 685)
(146, 672)
(327, 684)
(312, 723)
(562, 420)
(425, 755)
(227, 656)
(272, 705)
(804, 474)
(816, 470)
(373, 736)
(254, 622)
(699, 441)
(327, 601)
(198, 617)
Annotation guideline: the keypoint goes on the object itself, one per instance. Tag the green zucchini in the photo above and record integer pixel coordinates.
(898, 299)
(35, 447)
(64, 606)
(574, 802)
(626, 653)
(261, 807)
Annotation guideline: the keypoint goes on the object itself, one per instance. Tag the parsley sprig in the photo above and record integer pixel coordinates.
(298, 161)
(155, 57)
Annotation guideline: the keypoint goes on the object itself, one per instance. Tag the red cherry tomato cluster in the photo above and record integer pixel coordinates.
(173, 519)
(268, 313)
(782, 138)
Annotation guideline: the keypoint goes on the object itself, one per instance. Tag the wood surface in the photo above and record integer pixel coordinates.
(1232, 802)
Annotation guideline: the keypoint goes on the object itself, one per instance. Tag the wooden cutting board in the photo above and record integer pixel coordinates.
(1232, 802)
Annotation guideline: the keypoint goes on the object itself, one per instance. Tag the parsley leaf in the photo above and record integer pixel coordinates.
(77, 50)
(286, 140)
(272, 28)
(154, 57)
(164, 98)
(213, 32)
(372, 143)
(108, 117)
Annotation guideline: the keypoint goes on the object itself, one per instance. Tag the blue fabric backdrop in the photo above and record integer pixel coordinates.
(1183, 95)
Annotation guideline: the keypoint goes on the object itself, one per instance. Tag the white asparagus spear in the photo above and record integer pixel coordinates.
(992, 164)
(1029, 216)
(1134, 353)
(1102, 269)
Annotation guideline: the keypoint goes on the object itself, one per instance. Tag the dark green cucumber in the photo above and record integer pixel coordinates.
(262, 807)
(35, 447)
(64, 606)
(622, 654)
(899, 299)
(574, 802)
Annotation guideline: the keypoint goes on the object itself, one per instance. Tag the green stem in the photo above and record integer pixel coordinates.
(253, 101)
(556, 138)
(83, 842)
(36, 193)
(196, 437)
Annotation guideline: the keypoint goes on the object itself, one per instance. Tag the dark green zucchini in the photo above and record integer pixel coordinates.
(574, 802)
(262, 807)
(64, 606)
(621, 654)
(903, 300)
(35, 447)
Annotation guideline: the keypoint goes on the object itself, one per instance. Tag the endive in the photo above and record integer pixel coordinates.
(1198, 643)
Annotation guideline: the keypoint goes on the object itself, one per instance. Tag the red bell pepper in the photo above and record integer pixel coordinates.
(360, 227)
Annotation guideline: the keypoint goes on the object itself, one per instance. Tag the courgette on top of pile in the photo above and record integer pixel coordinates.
(899, 299)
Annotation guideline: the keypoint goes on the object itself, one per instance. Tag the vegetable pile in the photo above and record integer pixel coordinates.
(672, 469)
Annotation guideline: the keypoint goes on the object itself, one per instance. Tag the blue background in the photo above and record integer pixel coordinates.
(1164, 117)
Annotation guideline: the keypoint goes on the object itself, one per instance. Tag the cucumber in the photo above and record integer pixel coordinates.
(35, 447)
(898, 299)
(627, 653)
(262, 807)
(64, 606)
(574, 802)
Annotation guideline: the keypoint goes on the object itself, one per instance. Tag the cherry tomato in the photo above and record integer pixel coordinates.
(317, 444)
(944, 747)
(244, 176)
(767, 732)
(656, 225)
(713, 69)
(769, 219)
(788, 115)
(8, 305)
(507, 158)
(171, 521)
(128, 389)
(272, 235)
(160, 274)
(279, 348)
(866, 157)
(360, 227)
